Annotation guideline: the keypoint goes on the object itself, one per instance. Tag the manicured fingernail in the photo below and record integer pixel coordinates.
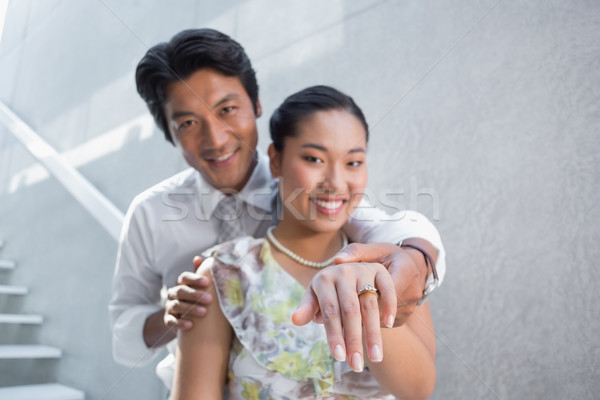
(376, 355)
(390, 321)
(356, 363)
(196, 258)
(186, 324)
(338, 353)
(342, 254)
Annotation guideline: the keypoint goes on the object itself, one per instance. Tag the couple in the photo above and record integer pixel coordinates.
(202, 92)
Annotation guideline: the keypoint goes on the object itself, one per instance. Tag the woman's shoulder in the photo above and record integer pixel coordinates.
(235, 252)
(236, 264)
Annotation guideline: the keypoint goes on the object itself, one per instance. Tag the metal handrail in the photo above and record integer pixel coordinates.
(102, 209)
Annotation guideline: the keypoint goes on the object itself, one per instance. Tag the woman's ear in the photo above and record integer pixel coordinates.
(258, 112)
(275, 160)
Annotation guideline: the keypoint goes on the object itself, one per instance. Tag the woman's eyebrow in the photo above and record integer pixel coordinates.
(314, 146)
(324, 149)
(357, 150)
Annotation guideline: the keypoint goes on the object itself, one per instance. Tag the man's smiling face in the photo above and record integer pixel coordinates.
(212, 121)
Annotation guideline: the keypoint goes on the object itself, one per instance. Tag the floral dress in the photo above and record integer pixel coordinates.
(271, 358)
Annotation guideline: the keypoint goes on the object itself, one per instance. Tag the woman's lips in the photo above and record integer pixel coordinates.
(329, 207)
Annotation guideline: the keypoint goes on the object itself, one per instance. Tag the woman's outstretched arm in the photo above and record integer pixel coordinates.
(203, 353)
(408, 366)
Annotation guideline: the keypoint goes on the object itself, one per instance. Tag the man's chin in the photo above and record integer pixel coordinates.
(231, 177)
(227, 182)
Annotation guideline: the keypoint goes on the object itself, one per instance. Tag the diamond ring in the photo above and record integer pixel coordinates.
(368, 288)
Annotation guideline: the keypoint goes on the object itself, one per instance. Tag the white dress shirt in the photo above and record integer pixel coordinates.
(170, 223)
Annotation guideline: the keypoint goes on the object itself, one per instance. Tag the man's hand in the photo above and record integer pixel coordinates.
(186, 299)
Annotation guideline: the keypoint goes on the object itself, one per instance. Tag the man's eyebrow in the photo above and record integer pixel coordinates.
(225, 99)
(180, 114)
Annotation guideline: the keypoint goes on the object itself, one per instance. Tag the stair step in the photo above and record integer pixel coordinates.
(7, 264)
(46, 391)
(28, 351)
(5, 289)
(21, 319)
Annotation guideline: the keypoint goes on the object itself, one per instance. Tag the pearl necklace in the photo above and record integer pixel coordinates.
(296, 257)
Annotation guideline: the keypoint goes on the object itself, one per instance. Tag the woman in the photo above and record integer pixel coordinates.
(247, 342)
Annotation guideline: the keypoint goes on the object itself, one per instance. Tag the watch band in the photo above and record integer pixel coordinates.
(432, 280)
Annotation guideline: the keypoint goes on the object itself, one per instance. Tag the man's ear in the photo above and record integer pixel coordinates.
(258, 108)
(275, 160)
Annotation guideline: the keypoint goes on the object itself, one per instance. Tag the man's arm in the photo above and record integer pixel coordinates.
(156, 333)
(371, 225)
(136, 291)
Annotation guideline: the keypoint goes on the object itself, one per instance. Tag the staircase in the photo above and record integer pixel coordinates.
(47, 391)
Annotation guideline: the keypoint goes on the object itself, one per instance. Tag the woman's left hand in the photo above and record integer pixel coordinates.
(332, 298)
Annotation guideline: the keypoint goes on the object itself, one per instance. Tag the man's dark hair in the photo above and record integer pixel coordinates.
(300, 105)
(186, 53)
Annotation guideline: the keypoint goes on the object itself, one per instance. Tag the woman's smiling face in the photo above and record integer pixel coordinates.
(322, 169)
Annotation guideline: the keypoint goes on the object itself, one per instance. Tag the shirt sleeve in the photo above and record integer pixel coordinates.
(369, 224)
(136, 290)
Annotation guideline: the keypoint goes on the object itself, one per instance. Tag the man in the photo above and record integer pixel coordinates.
(202, 91)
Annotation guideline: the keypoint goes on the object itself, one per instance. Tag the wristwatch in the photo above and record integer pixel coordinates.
(431, 285)
(432, 280)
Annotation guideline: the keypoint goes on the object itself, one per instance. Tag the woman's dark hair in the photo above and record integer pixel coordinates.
(186, 53)
(304, 103)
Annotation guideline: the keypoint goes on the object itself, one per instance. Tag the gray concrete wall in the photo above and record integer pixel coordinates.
(484, 116)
